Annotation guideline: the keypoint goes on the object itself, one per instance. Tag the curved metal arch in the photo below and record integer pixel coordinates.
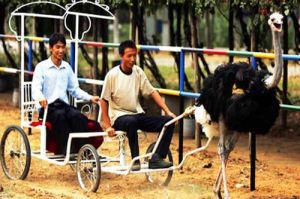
(87, 15)
(17, 12)
(96, 3)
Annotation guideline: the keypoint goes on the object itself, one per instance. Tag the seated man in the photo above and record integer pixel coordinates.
(52, 79)
(121, 109)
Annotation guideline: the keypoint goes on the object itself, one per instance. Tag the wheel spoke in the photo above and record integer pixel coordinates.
(162, 177)
(15, 157)
(88, 171)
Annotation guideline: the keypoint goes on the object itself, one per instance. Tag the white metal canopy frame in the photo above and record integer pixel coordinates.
(69, 10)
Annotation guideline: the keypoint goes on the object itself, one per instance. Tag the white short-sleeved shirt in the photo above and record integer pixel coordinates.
(122, 91)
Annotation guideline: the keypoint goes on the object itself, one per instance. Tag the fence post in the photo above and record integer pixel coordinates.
(72, 55)
(181, 105)
(252, 143)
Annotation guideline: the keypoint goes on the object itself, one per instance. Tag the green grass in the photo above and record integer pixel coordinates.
(293, 88)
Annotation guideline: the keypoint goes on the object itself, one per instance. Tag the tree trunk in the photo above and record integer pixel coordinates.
(175, 40)
(209, 30)
(116, 33)
(243, 25)
(2, 20)
(141, 37)
(194, 42)
(2, 16)
(104, 36)
(61, 24)
(134, 11)
(297, 31)
(40, 33)
(230, 29)
(145, 56)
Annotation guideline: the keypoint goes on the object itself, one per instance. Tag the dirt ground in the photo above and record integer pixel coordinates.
(278, 169)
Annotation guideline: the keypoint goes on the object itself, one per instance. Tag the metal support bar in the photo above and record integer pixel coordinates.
(252, 141)
(181, 107)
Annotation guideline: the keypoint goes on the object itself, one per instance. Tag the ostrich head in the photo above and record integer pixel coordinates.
(275, 22)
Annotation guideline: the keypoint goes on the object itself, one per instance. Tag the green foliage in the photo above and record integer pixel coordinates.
(220, 29)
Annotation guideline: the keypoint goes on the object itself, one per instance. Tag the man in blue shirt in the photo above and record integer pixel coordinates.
(52, 79)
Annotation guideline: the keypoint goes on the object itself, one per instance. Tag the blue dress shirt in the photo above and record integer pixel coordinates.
(51, 82)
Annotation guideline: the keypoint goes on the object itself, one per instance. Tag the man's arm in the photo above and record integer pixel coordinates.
(105, 118)
(76, 91)
(37, 82)
(159, 101)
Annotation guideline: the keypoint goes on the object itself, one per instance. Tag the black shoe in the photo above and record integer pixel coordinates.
(156, 162)
(136, 166)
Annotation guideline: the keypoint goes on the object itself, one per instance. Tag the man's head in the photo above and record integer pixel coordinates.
(128, 52)
(55, 38)
(57, 43)
(126, 44)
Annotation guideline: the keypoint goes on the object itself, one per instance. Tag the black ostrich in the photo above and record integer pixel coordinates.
(237, 98)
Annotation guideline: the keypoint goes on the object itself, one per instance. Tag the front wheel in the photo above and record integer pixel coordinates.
(15, 154)
(88, 168)
(162, 178)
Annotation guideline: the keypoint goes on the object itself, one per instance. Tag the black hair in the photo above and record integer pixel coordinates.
(55, 38)
(126, 44)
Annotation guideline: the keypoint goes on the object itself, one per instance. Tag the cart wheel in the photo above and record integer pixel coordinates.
(88, 168)
(15, 155)
(163, 177)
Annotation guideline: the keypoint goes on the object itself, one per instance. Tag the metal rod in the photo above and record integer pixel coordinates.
(252, 138)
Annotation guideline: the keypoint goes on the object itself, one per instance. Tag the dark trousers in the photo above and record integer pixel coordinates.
(131, 123)
(65, 119)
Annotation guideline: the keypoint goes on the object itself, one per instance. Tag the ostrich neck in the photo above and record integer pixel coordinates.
(278, 59)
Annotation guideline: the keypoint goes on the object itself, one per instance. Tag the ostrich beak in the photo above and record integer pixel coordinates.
(277, 27)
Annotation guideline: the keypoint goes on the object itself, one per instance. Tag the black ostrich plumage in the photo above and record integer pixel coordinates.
(254, 110)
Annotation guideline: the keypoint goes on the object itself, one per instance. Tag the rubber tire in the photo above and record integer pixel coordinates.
(94, 152)
(170, 172)
(27, 149)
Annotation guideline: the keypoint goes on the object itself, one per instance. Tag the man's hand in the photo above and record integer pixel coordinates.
(95, 99)
(171, 114)
(110, 131)
(43, 103)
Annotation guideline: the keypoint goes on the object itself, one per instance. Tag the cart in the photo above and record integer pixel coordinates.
(88, 162)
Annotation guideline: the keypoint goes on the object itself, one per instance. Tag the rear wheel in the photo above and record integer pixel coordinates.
(15, 155)
(88, 168)
(162, 177)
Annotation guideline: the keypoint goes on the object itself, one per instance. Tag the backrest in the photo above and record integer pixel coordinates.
(28, 110)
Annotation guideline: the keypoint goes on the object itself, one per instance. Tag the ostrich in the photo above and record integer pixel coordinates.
(237, 98)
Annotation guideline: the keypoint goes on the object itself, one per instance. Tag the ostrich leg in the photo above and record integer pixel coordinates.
(217, 185)
(226, 144)
(233, 138)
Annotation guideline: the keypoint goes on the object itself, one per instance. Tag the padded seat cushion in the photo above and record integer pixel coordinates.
(52, 143)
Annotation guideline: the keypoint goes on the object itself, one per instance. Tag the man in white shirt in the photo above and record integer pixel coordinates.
(52, 79)
(121, 109)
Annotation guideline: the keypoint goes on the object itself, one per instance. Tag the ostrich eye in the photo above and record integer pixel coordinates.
(272, 19)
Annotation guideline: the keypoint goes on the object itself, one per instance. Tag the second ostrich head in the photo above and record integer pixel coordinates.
(275, 23)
